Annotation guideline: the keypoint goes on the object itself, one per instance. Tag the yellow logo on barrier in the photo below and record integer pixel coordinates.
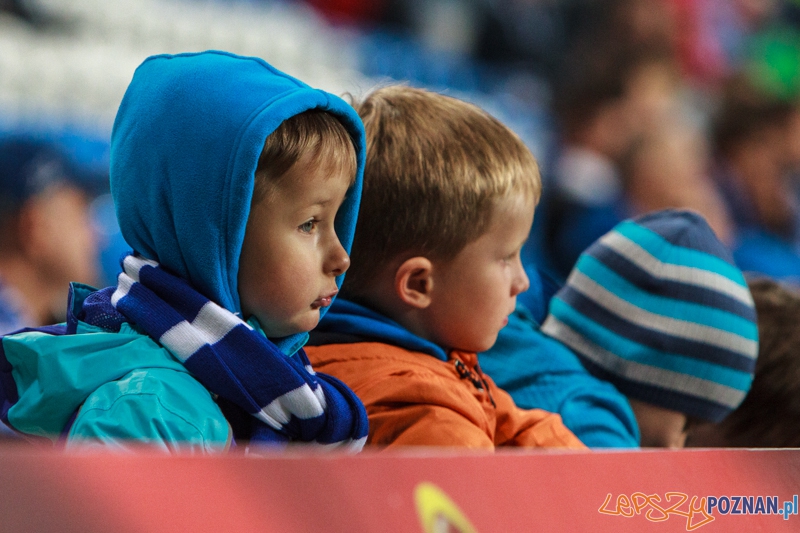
(438, 513)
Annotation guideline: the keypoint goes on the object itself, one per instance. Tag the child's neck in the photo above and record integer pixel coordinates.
(389, 305)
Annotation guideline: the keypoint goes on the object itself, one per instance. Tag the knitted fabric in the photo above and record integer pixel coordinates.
(657, 307)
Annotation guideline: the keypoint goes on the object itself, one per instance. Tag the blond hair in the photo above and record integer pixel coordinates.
(436, 166)
(313, 133)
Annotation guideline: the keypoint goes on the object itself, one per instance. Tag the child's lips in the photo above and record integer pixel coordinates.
(324, 300)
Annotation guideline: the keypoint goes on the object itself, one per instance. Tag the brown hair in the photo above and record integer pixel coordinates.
(435, 168)
(313, 133)
(767, 418)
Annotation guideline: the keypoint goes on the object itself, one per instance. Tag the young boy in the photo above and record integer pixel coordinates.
(237, 186)
(449, 195)
(657, 307)
(767, 418)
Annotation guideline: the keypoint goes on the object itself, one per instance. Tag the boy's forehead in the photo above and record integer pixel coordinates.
(314, 184)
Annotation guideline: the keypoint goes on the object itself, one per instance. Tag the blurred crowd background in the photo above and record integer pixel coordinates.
(629, 106)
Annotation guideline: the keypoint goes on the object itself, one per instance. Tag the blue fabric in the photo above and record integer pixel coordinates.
(11, 316)
(8, 433)
(652, 301)
(657, 307)
(687, 248)
(231, 359)
(541, 373)
(346, 317)
(8, 388)
(542, 288)
(572, 227)
(759, 251)
(626, 350)
(571, 301)
(184, 149)
(674, 289)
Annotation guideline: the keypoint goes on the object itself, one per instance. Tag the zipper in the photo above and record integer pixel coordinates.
(476, 379)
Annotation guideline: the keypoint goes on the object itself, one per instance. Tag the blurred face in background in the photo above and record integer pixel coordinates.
(58, 238)
(669, 169)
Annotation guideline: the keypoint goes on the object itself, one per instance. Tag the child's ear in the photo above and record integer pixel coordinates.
(413, 282)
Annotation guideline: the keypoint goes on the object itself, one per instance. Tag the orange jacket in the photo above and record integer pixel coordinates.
(415, 399)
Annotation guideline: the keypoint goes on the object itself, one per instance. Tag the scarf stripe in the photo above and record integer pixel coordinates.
(234, 361)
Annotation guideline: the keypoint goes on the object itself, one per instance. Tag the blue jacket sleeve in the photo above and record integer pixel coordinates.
(162, 408)
(540, 372)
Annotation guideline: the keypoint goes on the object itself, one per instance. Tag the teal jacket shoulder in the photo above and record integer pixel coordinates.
(120, 387)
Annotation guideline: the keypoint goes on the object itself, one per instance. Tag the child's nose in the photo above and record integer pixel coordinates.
(338, 260)
(521, 281)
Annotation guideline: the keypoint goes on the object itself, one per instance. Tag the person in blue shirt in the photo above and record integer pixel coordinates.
(756, 171)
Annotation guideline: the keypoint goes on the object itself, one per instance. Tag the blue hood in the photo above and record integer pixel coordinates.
(184, 149)
(350, 319)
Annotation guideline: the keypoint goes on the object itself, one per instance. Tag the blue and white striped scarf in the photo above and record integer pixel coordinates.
(232, 360)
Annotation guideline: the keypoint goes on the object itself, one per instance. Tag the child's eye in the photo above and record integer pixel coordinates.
(308, 226)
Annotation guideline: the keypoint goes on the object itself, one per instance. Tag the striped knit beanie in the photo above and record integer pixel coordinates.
(657, 307)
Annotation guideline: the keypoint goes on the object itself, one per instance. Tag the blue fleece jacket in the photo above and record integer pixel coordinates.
(350, 322)
(184, 149)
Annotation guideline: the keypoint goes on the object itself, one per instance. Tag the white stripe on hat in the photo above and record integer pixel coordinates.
(641, 373)
(637, 255)
(649, 320)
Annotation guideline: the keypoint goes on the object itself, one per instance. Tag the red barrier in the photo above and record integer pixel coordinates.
(417, 491)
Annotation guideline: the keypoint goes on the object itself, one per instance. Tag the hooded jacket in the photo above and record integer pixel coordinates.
(416, 393)
(184, 149)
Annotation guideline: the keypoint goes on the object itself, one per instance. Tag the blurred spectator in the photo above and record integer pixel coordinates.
(756, 140)
(668, 167)
(609, 93)
(46, 236)
(597, 128)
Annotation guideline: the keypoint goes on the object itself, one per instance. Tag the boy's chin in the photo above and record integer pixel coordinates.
(478, 345)
(302, 324)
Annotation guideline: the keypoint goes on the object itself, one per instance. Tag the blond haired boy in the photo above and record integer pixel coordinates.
(448, 201)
